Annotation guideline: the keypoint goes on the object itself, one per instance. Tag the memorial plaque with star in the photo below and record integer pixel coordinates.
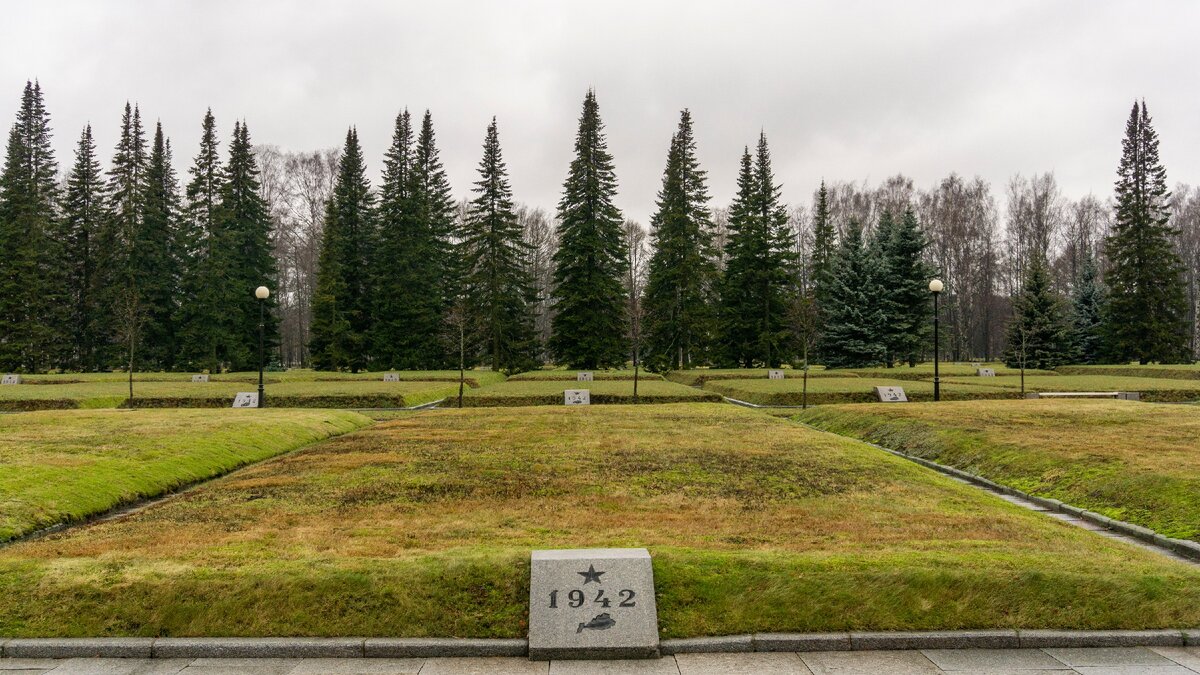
(592, 604)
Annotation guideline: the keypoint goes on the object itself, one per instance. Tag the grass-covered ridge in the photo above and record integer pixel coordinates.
(423, 526)
(563, 375)
(1137, 462)
(1186, 371)
(65, 466)
(823, 390)
(349, 393)
(473, 378)
(1151, 389)
(550, 392)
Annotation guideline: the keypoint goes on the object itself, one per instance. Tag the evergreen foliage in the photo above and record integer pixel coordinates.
(1087, 312)
(341, 310)
(588, 329)
(245, 226)
(853, 336)
(753, 321)
(1146, 316)
(679, 296)
(497, 289)
(905, 284)
(1037, 333)
(83, 220)
(153, 261)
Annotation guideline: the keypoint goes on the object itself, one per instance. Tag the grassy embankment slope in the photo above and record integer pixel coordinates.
(63, 466)
(423, 526)
(550, 392)
(1137, 462)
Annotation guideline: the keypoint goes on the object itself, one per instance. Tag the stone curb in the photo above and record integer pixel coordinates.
(62, 648)
(1184, 548)
(708, 645)
(435, 647)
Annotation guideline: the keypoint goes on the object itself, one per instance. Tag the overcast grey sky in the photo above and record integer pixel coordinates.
(844, 90)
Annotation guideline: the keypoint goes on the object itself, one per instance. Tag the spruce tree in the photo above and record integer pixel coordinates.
(34, 301)
(824, 245)
(1037, 333)
(245, 222)
(588, 330)
(404, 314)
(854, 316)
(678, 303)
(497, 288)
(154, 263)
(83, 219)
(906, 284)
(200, 316)
(341, 309)
(1145, 319)
(754, 322)
(436, 212)
(1087, 312)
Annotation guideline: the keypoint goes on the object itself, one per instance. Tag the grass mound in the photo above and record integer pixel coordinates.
(1136, 462)
(220, 394)
(422, 527)
(699, 376)
(1190, 371)
(1155, 390)
(549, 392)
(58, 467)
(826, 390)
(560, 375)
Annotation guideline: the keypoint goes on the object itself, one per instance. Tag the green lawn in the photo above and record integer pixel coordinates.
(474, 378)
(549, 392)
(1185, 371)
(698, 376)
(1138, 462)
(423, 526)
(62, 466)
(1162, 389)
(822, 390)
(220, 393)
(559, 374)
(924, 371)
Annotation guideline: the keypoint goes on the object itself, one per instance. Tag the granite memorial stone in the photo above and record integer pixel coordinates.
(583, 377)
(200, 378)
(391, 377)
(891, 394)
(246, 399)
(775, 374)
(986, 372)
(577, 397)
(11, 378)
(592, 603)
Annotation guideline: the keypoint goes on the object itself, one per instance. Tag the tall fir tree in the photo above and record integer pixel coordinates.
(680, 288)
(200, 316)
(853, 336)
(126, 207)
(34, 303)
(588, 329)
(906, 286)
(498, 291)
(1037, 333)
(1087, 312)
(153, 259)
(414, 278)
(1145, 319)
(341, 309)
(754, 325)
(824, 245)
(245, 222)
(83, 219)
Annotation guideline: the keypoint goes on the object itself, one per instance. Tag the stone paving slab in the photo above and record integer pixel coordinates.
(1189, 657)
(763, 663)
(993, 660)
(1108, 656)
(869, 663)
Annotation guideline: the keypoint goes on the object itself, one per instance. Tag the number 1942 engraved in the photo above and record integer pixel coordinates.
(577, 598)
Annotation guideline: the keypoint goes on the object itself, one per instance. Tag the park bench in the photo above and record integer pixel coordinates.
(1122, 395)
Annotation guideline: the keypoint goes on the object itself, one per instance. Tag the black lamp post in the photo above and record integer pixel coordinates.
(262, 293)
(935, 287)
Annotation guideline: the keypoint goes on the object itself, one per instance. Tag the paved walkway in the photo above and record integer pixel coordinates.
(1103, 661)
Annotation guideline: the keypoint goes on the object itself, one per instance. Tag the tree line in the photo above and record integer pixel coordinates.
(405, 276)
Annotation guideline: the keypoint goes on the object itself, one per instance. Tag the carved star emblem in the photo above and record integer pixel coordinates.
(590, 575)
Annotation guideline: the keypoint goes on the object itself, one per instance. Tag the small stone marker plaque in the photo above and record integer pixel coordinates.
(775, 374)
(10, 379)
(975, 364)
(592, 603)
(577, 397)
(246, 399)
(583, 377)
(891, 394)
(200, 378)
(986, 372)
(391, 377)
